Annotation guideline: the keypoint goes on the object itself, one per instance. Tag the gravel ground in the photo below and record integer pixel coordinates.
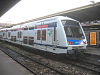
(66, 68)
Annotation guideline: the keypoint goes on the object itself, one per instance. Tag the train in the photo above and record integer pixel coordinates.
(59, 34)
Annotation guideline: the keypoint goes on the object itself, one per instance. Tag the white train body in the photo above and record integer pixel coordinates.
(57, 35)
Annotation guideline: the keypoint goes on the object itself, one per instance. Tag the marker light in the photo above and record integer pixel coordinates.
(70, 43)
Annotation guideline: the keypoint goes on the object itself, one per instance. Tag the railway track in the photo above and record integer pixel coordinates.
(80, 64)
(92, 65)
(84, 64)
(20, 57)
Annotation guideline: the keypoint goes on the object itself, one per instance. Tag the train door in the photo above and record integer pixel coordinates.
(9, 35)
(6, 35)
(3, 35)
(18, 39)
(19, 36)
(54, 35)
(92, 38)
(51, 34)
(39, 33)
(43, 35)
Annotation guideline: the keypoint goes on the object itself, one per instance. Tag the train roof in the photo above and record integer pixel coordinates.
(54, 18)
(30, 24)
(4, 29)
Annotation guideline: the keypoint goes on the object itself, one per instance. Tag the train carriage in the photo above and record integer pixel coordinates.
(56, 34)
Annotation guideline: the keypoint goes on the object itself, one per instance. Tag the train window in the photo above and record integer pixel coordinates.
(76, 32)
(11, 38)
(25, 40)
(54, 33)
(8, 34)
(3, 34)
(26, 28)
(31, 28)
(68, 32)
(53, 24)
(38, 35)
(70, 23)
(0, 36)
(43, 34)
(72, 29)
(20, 35)
(31, 40)
(14, 38)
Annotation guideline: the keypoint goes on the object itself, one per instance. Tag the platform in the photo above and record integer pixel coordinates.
(10, 67)
(93, 51)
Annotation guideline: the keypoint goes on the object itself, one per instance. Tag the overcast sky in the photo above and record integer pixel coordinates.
(30, 9)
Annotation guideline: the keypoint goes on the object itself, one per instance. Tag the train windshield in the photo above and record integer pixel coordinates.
(72, 29)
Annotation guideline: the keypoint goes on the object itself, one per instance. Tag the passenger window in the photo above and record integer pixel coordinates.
(31, 40)
(44, 35)
(3, 34)
(54, 33)
(11, 38)
(26, 28)
(14, 38)
(25, 40)
(20, 35)
(8, 34)
(53, 24)
(31, 28)
(38, 35)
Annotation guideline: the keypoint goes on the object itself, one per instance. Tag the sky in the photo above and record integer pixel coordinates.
(31, 9)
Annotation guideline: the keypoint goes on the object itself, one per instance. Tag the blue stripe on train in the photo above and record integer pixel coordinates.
(75, 42)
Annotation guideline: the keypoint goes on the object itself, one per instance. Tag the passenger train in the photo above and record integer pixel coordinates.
(59, 34)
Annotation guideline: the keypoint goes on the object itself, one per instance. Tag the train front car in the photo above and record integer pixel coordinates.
(76, 40)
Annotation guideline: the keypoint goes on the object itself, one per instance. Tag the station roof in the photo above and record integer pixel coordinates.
(5, 5)
(86, 13)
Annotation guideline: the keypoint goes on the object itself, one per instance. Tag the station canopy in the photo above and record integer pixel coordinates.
(83, 14)
(86, 13)
(5, 5)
